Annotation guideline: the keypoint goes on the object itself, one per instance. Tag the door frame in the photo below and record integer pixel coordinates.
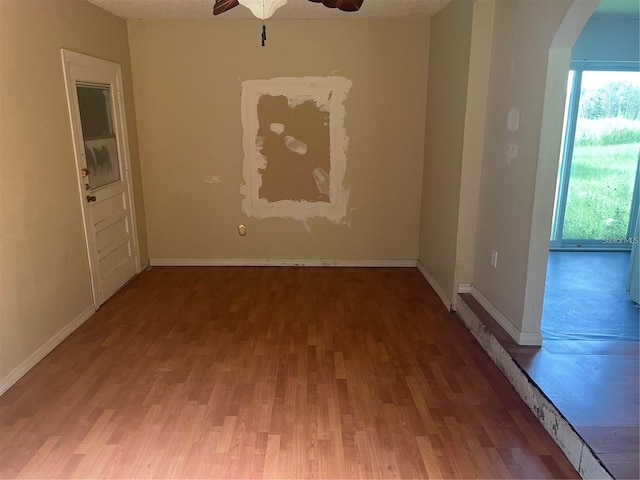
(73, 60)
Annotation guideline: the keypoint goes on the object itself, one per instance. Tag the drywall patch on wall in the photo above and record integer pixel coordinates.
(295, 148)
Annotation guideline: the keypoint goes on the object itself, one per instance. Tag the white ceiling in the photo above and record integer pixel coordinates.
(294, 9)
(303, 9)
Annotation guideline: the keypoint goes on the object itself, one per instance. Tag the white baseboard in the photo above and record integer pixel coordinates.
(257, 262)
(431, 281)
(513, 331)
(18, 372)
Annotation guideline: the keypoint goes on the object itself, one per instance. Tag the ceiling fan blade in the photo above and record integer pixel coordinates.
(222, 6)
(344, 5)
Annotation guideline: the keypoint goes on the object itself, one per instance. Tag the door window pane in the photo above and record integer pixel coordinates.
(100, 145)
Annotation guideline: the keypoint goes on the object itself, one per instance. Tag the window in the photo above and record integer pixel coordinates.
(597, 191)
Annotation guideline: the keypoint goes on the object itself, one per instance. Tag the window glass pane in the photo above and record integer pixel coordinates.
(605, 156)
(95, 111)
(100, 144)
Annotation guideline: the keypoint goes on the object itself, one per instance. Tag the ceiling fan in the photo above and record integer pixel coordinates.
(264, 8)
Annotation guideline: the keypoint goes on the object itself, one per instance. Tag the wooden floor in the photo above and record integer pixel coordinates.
(272, 372)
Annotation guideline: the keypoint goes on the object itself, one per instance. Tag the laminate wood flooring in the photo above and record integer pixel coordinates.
(272, 372)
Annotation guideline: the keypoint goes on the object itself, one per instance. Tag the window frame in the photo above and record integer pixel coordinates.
(566, 155)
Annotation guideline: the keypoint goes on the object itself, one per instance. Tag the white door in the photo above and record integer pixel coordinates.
(98, 124)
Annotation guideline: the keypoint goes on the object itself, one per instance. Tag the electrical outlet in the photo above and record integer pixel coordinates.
(242, 230)
(494, 258)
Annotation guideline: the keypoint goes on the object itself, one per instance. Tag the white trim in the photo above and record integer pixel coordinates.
(577, 451)
(513, 331)
(126, 159)
(435, 286)
(276, 262)
(18, 372)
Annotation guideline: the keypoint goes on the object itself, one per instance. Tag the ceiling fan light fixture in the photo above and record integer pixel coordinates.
(262, 9)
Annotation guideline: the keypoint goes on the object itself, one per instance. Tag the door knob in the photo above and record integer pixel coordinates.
(91, 198)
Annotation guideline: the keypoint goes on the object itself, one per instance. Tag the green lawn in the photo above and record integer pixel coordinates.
(600, 191)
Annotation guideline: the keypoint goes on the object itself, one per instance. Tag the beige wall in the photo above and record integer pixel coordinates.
(445, 129)
(44, 276)
(522, 36)
(187, 79)
(473, 145)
